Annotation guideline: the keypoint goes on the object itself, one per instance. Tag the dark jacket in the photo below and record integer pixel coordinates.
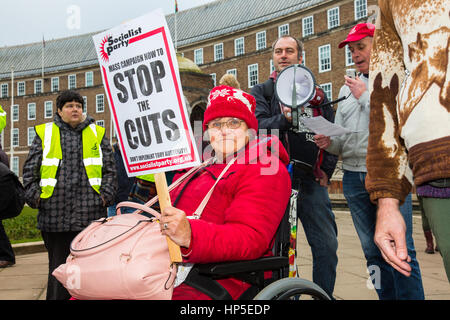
(124, 182)
(74, 203)
(301, 147)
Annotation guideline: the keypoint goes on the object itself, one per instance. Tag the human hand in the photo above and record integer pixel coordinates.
(357, 86)
(390, 235)
(322, 141)
(175, 225)
(323, 179)
(287, 113)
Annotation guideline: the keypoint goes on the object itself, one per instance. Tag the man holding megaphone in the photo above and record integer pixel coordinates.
(312, 168)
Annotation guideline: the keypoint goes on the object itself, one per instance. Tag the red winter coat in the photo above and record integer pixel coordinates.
(242, 216)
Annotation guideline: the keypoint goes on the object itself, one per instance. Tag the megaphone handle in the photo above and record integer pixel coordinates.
(294, 113)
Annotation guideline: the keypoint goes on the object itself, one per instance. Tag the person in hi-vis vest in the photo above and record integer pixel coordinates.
(70, 176)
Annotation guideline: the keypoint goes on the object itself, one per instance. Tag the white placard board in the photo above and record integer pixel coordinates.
(141, 79)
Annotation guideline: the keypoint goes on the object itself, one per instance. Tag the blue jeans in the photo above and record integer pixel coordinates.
(314, 212)
(389, 283)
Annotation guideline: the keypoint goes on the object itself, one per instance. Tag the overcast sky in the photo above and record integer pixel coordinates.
(26, 21)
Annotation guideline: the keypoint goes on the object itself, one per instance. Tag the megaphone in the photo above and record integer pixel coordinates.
(295, 87)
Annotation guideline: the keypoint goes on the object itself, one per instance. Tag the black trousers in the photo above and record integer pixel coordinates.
(6, 250)
(58, 247)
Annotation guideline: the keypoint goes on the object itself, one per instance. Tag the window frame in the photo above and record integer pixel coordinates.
(218, 57)
(338, 18)
(86, 84)
(53, 84)
(321, 69)
(2, 86)
(258, 47)
(41, 86)
(304, 21)
(97, 103)
(357, 5)
(19, 93)
(30, 129)
(198, 56)
(15, 112)
(46, 103)
(236, 46)
(280, 32)
(28, 110)
(15, 133)
(69, 77)
(249, 75)
(330, 96)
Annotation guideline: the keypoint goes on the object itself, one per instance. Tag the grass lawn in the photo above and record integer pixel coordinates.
(23, 228)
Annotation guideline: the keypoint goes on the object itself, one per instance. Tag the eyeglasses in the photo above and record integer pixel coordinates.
(232, 123)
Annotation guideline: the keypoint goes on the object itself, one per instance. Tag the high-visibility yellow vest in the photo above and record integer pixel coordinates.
(147, 177)
(92, 137)
(2, 119)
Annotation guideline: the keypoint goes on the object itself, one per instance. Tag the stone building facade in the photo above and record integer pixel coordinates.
(224, 36)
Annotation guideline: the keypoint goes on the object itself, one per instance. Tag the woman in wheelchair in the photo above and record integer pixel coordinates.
(242, 215)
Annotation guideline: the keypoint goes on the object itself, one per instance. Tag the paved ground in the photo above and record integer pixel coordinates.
(27, 279)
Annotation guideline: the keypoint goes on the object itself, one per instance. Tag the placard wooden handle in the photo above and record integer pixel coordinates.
(164, 201)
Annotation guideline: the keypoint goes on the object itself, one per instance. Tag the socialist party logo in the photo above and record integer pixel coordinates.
(109, 43)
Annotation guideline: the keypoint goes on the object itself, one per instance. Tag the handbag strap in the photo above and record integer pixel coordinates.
(197, 214)
(153, 200)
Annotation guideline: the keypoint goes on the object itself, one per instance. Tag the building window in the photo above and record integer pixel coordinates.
(99, 103)
(360, 9)
(261, 40)
(15, 137)
(89, 79)
(32, 111)
(31, 135)
(308, 26)
(100, 123)
(325, 58)
(4, 90)
(48, 109)
(283, 30)
(333, 18)
(198, 56)
(72, 81)
(55, 84)
(233, 72)
(85, 105)
(303, 58)
(15, 165)
(239, 48)
(214, 78)
(272, 67)
(218, 52)
(37, 86)
(21, 88)
(15, 112)
(328, 89)
(348, 57)
(252, 75)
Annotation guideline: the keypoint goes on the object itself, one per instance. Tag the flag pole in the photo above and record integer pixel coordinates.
(11, 147)
(43, 46)
(176, 35)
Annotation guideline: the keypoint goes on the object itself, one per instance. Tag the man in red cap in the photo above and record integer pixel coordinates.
(354, 113)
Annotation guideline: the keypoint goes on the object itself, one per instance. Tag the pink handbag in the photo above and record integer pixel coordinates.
(122, 257)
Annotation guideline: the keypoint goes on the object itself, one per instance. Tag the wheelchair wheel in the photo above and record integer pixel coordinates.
(292, 289)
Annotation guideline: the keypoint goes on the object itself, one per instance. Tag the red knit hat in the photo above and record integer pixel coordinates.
(361, 30)
(225, 101)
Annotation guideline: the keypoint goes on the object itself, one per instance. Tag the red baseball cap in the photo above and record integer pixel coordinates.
(361, 30)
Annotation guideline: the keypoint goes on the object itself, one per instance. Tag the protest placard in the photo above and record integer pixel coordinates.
(140, 74)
